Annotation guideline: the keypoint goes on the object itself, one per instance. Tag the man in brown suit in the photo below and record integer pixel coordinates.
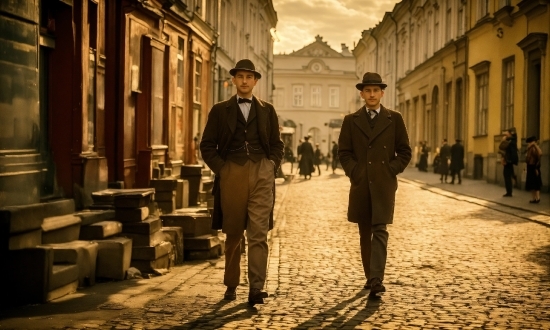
(373, 148)
(241, 143)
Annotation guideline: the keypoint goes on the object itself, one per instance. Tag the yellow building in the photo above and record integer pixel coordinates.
(468, 70)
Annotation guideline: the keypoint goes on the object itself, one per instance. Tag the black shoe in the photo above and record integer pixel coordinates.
(376, 286)
(230, 294)
(367, 285)
(534, 201)
(256, 296)
(507, 195)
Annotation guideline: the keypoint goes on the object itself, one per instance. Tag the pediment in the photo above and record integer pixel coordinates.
(319, 48)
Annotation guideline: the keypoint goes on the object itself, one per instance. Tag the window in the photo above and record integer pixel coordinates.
(448, 25)
(460, 25)
(334, 97)
(298, 96)
(507, 118)
(482, 103)
(315, 96)
(179, 72)
(198, 81)
(482, 9)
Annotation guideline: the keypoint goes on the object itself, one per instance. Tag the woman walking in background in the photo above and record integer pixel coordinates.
(533, 180)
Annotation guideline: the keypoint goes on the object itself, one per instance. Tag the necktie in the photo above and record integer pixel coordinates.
(372, 113)
(241, 100)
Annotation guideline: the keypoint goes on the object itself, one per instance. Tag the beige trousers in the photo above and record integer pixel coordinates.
(247, 201)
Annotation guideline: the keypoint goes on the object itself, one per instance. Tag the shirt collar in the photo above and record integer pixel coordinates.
(377, 109)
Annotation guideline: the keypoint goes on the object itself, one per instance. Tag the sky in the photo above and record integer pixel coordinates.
(337, 21)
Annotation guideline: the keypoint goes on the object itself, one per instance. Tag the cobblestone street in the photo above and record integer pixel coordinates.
(451, 265)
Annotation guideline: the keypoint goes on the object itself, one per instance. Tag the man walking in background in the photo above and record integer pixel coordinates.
(242, 145)
(457, 161)
(373, 148)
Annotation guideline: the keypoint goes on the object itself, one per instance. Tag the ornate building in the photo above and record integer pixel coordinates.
(314, 89)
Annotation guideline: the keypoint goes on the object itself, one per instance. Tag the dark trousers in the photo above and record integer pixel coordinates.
(453, 173)
(318, 168)
(374, 249)
(508, 173)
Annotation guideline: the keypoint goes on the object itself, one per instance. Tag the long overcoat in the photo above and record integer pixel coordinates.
(372, 158)
(218, 133)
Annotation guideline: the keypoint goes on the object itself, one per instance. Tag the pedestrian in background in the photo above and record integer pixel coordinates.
(533, 179)
(289, 157)
(328, 161)
(305, 163)
(423, 163)
(334, 156)
(508, 149)
(373, 148)
(318, 158)
(457, 161)
(444, 159)
(242, 145)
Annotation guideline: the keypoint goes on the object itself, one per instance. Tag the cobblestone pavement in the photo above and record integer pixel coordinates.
(452, 264)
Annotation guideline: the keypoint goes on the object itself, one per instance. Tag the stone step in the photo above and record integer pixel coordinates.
(81, 253)
(205, 242)
(151, 252)
(62, 274)
(174, 235)
(165, 196)
(150, 266)
(145, 239)
(134, 200)
(167, 206)
(21, 219)
(182, 194)
(146, 227)
(100, 230)
(60, 229)
(168, 184)
(62, 291)
(131, 215)
(59, 207)
(193, 224)
(107, 196)
(25, 240)
(89, 217)
(213, 253)
(113, 257)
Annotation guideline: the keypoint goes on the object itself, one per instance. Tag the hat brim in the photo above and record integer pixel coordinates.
(360, 86)
(234, 71)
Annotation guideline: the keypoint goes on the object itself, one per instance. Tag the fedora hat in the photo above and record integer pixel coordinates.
(245, 65)
(371, 78)
(531, 139)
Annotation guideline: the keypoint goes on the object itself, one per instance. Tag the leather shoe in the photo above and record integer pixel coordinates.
(230, 294)
(367, 285)
(376, 286)
(507, 195)
(256, 296)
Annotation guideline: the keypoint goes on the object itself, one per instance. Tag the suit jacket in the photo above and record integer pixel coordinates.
(372, 158)
(218, 133)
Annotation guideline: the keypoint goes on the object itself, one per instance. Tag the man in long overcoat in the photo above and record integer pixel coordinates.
(373, 148)
(242, 145)
(444, 159)
(457, 161)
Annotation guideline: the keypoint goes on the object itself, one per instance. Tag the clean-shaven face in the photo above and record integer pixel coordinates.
(245, 82)
(372, 95)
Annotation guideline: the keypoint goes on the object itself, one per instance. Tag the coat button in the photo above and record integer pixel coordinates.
(369, 163)
(370, 147)
(382, 162)
(384, 146)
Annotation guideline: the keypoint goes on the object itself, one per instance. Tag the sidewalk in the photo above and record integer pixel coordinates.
(483, 193)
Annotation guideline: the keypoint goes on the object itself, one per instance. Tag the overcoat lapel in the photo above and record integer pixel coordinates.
(361, 120)
(232, 113)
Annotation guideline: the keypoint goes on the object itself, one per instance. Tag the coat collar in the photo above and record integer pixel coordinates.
(383, 121)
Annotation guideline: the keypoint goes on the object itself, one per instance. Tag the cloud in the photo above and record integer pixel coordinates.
(337, 21)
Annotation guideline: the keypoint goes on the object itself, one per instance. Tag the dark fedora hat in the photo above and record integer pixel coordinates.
(531, 139)
(371, 78)
(245, 65)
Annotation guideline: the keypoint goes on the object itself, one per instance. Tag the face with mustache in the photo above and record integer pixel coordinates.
(245, 82)
(372, 95)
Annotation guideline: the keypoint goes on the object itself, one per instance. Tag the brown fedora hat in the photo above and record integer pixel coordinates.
(245, 65)
(371, 78)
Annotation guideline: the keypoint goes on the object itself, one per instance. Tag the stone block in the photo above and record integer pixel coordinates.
(193, 224)
(146, 227)
(174, 235)
(163, 184)
(25, 240)
(205, 242)
(107, 196)
(167, 207)
(100, 230)
(58, 208)
(167, 172)
(151, 252)
(213, 253)
(60, 229)
(182, 194)
(149, 266)
(145, 239)
(89, 217)
(176, 167)
(165, 196)
(62, 274)
(207, 185)
(23, 218)
(132, 200)
(81, 253)
(132, 215)
(113, 257)
(62, 291)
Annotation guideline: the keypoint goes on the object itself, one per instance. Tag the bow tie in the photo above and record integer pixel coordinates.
(372, 113)
(242, 100)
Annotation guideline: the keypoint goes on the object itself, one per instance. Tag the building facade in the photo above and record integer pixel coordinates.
(314, 89)
(466, 70)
